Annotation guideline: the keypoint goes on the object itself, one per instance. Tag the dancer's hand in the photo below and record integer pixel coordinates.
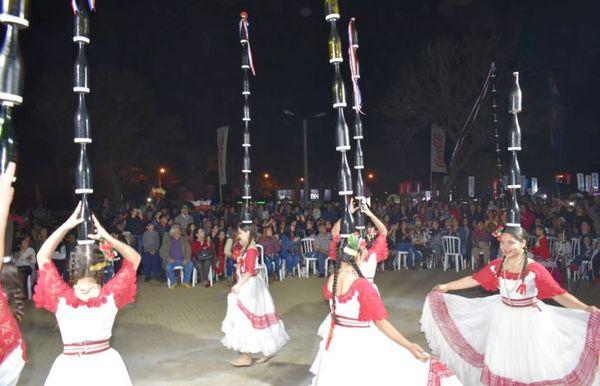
(418, 352)
(365, 209)
(100, 231)
(236, 289)
(353, 206)
(74, 219)
(6, 190)
(591, 309)
(440, 288)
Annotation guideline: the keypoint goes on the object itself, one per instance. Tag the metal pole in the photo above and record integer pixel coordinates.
(305, 141)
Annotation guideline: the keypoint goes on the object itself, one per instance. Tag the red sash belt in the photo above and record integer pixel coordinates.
(527, 302)
(86, 348)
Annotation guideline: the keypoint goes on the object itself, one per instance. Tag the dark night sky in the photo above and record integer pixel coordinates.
(188, 54)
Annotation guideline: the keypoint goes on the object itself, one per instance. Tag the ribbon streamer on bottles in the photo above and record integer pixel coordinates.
(354, 69)
(75, 6)
(244, 25)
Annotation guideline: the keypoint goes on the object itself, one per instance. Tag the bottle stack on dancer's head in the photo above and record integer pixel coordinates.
(247, 66)
(359, 164)
(342, 137)
(14, 17)
(87, 259)
(513, 223)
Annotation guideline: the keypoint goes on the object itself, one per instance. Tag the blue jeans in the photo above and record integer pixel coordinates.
(273, 261)
(229, 267)
(321, 257)
(291, 259)
(151, 265)
(413, 256)
(187, 271)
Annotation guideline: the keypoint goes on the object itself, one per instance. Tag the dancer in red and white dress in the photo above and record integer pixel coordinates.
(368, 259)
(251, 324)
(12, 347)
(86, 311)
(360, 334)
(514, 338)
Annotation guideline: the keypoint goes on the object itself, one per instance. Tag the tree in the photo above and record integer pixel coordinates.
(441, 88)
(130, 135)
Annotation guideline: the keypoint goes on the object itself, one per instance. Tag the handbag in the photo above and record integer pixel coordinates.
(205, 255)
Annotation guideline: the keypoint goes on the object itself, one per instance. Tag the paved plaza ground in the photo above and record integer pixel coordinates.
(172, 337)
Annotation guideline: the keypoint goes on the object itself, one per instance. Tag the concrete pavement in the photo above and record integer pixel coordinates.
(172, 337)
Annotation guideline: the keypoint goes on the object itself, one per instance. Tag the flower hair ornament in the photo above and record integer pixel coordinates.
(497, 233)
(355, 245)
(108, 252)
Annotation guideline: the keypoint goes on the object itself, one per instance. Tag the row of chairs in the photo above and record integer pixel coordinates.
(451, 253)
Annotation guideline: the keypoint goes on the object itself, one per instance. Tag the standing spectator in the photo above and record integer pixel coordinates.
(163, 226)
(25, 260)
(184, 219)
(289, 247)
(150, 256)
(527, 218)
(176, 251)
(229, 259)
(135, 225)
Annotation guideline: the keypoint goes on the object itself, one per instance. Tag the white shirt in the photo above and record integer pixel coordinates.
(25, 258)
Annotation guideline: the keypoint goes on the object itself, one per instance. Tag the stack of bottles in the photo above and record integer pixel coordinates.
(82, 133)
(342, 137)
(514, 146)
(247, 66)
(14, 17)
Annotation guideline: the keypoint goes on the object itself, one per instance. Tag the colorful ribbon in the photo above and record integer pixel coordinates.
(75, 6)
(354, 68)
(244, 25)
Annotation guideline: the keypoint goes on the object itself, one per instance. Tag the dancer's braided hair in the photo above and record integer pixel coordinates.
(11, 283)
(82, 258)
(341, 257)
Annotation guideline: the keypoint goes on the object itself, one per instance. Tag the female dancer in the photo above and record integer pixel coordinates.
(86, 311)
(362, 347)
(514, 338)
(251, 324)
(12, 347)
(376, 242)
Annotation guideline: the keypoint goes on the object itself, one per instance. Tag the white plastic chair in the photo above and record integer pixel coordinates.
(308, 255)
(261, 267)
(575, 247)
(401, 260)
(176, 268)
(451, 246)
(552, 244)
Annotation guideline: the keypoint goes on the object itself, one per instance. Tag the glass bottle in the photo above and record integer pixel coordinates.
(83, 173)
(82, 121)
(80, 71)
(338, 90)
(342, 138)
(332, 10)
(516, 97)
(514, 134)
(334, 45)
(8, 142)
(11, 63)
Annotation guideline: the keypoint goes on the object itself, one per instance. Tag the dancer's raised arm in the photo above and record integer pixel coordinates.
(124, 250)
(47, 249)
(6, 196)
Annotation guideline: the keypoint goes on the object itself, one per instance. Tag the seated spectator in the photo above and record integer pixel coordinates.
(541, 251)
(25, 261)
(289, 248)
(219, 242)
(404, 244)
(271, 248)
(585, 254)
(230, 261)
(176, 251)
(481, 244)
(322, 243)
(203, 255)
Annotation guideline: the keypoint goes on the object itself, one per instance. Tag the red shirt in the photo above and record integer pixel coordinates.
(541, 248)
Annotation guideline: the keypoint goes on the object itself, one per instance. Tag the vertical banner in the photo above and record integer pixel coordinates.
(580, 182)
(523, 184)
(534, 185)
(438, 144)
(595, 182)
(588, 183)
(471, 186)
(222, 133)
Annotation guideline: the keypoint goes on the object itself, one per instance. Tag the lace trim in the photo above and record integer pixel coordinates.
(51, 287)
(344, 298)
(10, 335)
(437, 371)
(371, 305)
(259, 322)
(583, 374)
(450, 331)
(379, 248)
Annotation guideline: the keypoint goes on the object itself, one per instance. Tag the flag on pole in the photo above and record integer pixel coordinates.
(222, 133)
(438, 144)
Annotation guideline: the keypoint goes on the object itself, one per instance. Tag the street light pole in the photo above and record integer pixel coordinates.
(305, 145)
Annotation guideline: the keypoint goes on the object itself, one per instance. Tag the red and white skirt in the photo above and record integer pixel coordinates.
(487, 342)
(251, 323)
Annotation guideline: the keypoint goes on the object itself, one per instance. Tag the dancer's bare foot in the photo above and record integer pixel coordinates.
(265, 359)
(243, 360)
